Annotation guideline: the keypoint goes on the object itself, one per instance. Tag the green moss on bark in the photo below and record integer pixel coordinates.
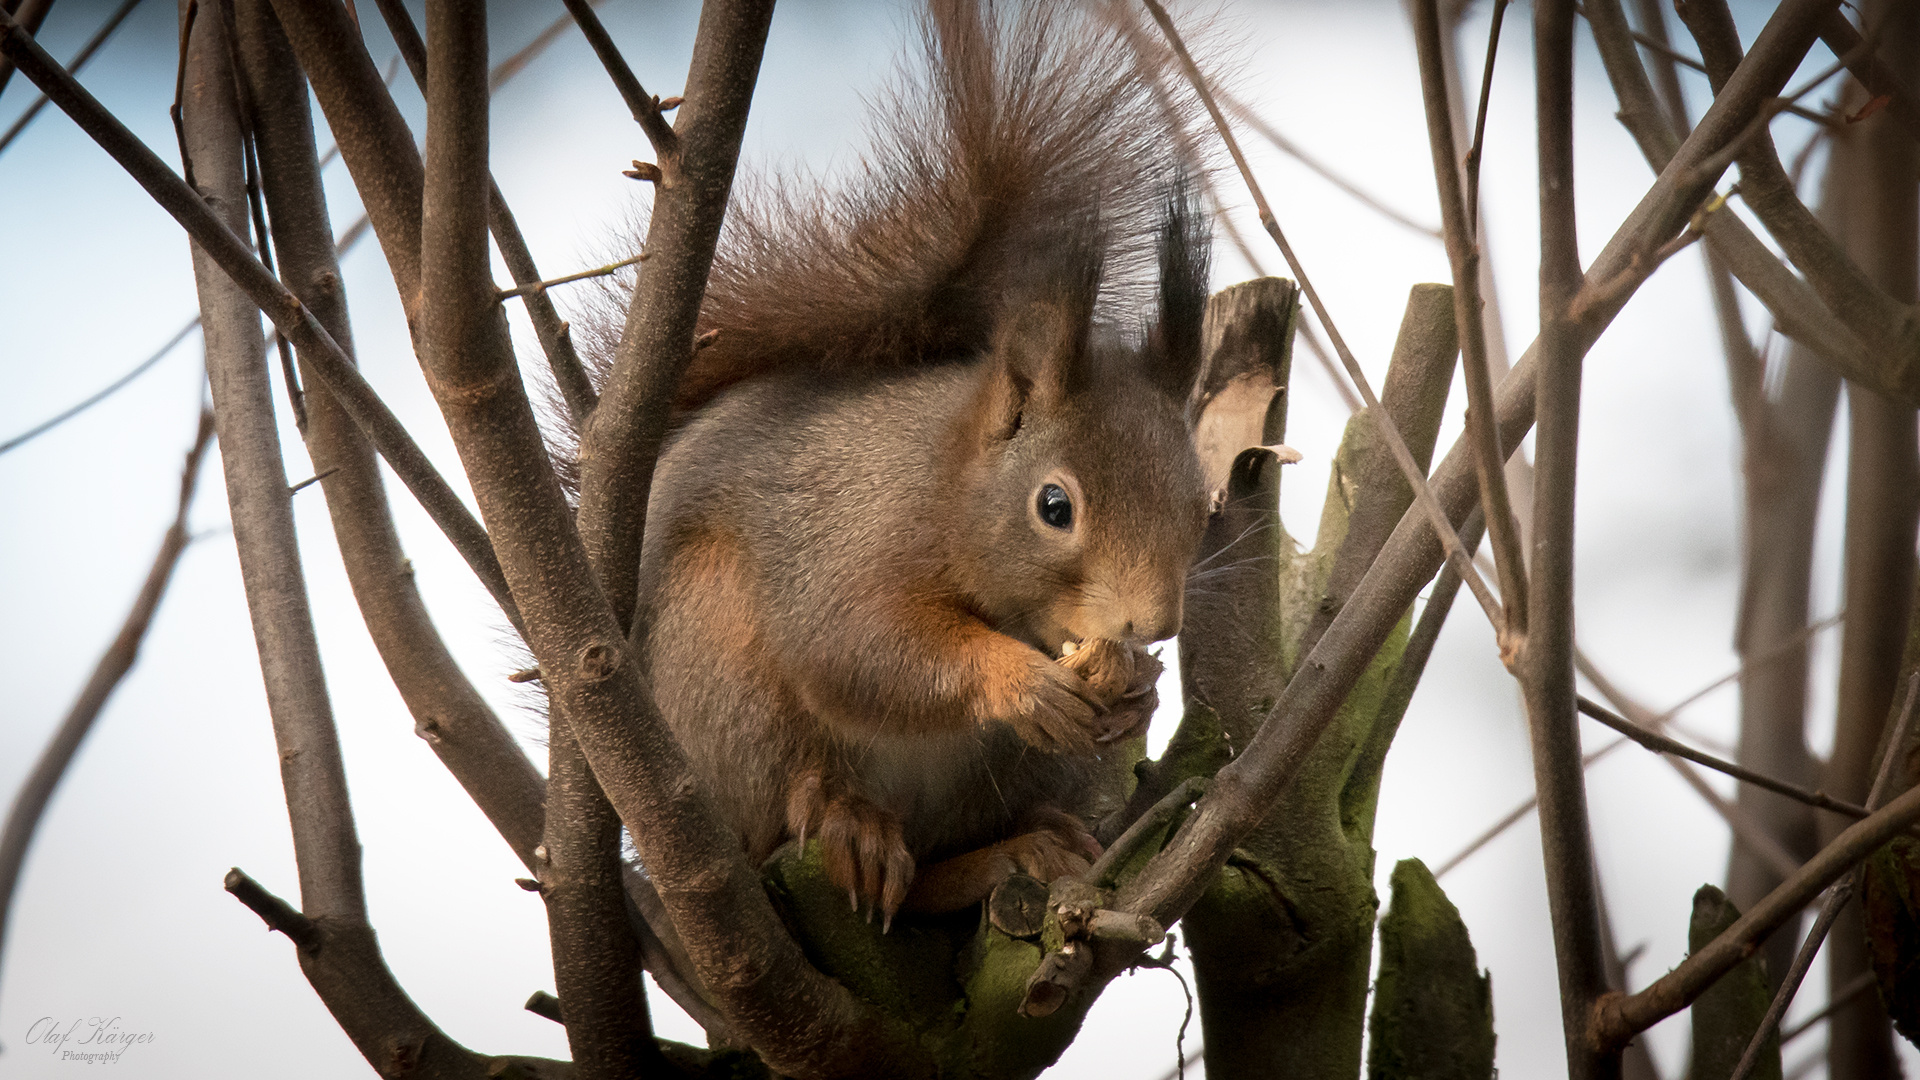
(1433, 1006)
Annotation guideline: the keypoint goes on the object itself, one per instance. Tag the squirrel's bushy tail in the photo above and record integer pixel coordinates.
(1022, 132)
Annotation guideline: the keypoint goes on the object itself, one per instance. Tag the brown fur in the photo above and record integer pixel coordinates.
(854, 603)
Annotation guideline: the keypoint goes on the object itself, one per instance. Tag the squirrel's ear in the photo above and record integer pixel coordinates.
(1173, 354)
(1039, 358)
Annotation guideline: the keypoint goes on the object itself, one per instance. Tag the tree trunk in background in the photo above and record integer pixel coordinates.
(1880, 226)
(1786, 456)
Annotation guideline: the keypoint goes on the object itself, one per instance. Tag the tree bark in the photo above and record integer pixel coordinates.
(1880, 230)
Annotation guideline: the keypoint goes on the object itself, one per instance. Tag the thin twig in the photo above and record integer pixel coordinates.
(1157, 816)
(1327, 364)
(1463, 253)
(78, 62)
(1513, 816)
(542, 286)
(513, 65)
(31, 801)
(1479, 119)
(102, 394)
(1246, 115)
(1835, 1002)
(1661, 744)
(645, 107)
(1415, 476)
(1752, 664)
(275, 912)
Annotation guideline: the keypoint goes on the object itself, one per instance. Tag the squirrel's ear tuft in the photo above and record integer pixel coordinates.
(1173, 354)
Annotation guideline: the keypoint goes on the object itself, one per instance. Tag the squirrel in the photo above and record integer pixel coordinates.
(932, 488)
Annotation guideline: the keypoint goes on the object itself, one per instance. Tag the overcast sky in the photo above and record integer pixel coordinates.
(120, 911)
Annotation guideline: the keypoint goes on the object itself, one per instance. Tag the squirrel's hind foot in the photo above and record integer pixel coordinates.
(862, 844)
(1059, 845)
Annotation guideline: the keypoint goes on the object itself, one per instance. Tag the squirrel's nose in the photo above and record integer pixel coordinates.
(1159, 624)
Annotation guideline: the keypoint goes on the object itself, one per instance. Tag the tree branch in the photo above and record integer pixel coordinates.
(569, 375)
(31, 800)
(448, 712)
(1463, 253)
(351, 978)
(801, 1022)
(292, 318)
(1617, 1018)
(1661, 744)
(645, 107)
(1891, 326)
(1830, 908)
(1246, 787)
(79, 61)
(1880, 79)
(621, 444)
(1545, 663)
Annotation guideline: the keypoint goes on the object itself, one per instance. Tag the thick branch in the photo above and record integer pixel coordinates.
(801, 1022)
(1546, 662)
(569, 375)
(448, 712)
(351, 979)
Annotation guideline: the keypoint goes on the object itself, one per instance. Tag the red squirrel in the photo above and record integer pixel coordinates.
(925, 455)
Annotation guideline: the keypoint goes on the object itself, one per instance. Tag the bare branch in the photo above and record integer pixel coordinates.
(1287, 146)
(569, 375)
(1661, 744)
(1836, 899)
(31, 800)
(1891, 325)
(103, 393)
(1472, 162)
(30, 13)
(448, 712)
(293, 319)
(1545, 663)
(620, 446)
(799, 1020)
(529, 289)
(1463, 252)
(79, 61)
(645, 107)
(1880, 78)
(1619, 1017)
(1244, 789)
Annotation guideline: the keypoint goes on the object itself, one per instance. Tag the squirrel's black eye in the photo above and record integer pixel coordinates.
(1055, 508)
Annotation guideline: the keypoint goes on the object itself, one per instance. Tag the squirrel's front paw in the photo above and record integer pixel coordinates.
(1059, 711)
(1123, 678)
